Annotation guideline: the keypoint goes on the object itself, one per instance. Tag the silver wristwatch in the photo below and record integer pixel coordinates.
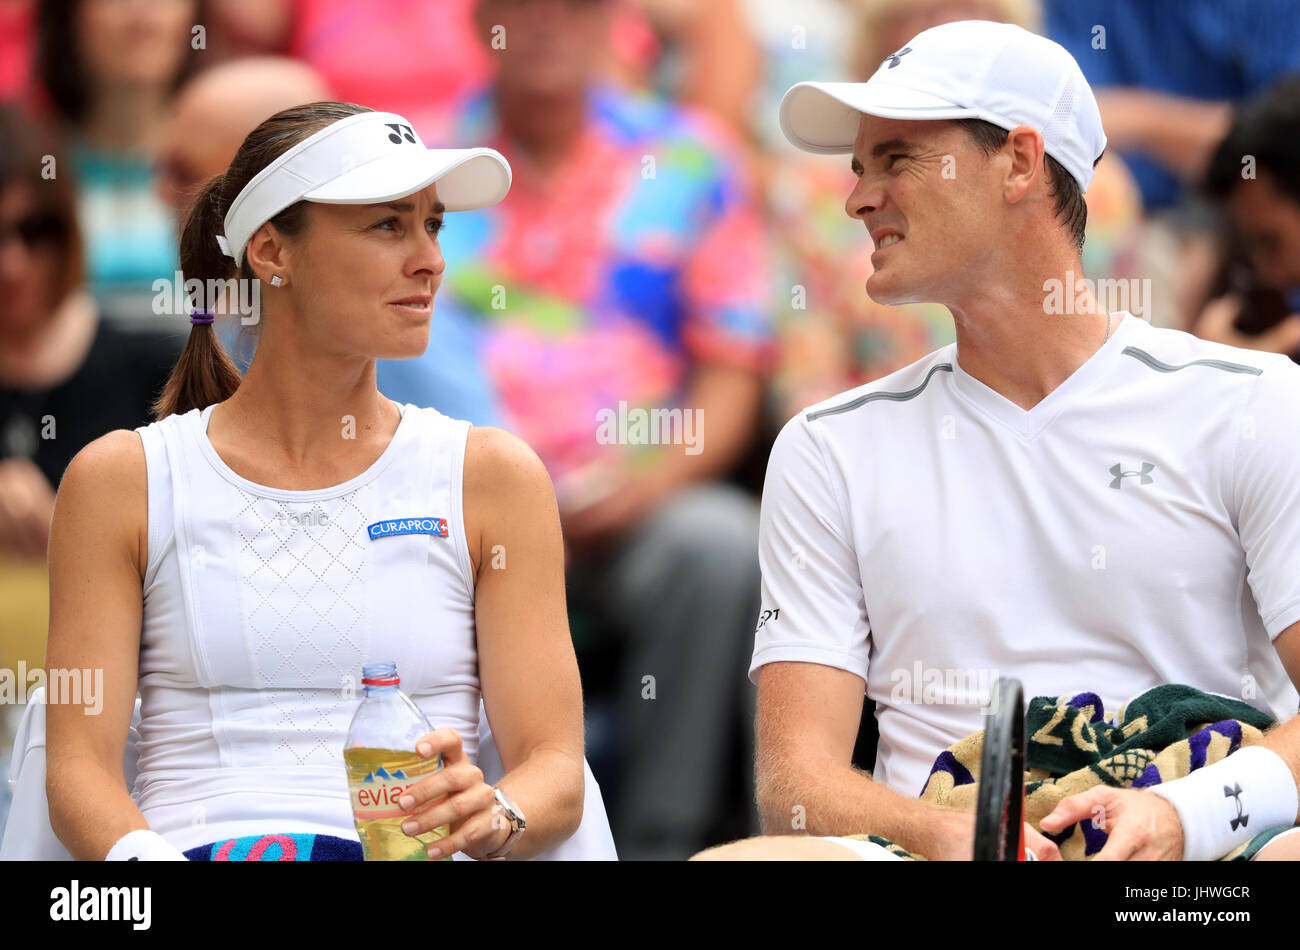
(516, 818)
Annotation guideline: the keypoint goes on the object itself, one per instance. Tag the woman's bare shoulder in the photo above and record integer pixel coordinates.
(104, 490)
(506, 487)
(500, 463)
(112, 461)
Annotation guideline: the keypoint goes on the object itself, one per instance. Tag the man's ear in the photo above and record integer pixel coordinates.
(1024, 146)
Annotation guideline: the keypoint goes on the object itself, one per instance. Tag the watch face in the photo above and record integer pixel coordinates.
(511, 810)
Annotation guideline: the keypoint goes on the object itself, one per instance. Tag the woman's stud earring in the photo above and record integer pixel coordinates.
(276, 281)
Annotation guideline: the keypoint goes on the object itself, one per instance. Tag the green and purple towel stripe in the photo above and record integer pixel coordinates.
(1158, 736)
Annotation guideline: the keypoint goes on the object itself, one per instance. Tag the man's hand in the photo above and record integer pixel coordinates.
(1178, 132)
(1139, 826)
(26, 507)
(1216, 323)
(953, 839)
(602, 522)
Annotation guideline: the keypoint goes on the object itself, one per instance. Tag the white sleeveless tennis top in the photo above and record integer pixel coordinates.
(260, 607)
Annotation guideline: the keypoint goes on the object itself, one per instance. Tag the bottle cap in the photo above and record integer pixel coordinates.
(380, 674)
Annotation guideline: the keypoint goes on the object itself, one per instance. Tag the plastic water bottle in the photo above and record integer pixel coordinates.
(382, 764)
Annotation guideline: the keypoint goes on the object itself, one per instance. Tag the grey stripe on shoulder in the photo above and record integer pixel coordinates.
(1164, 367)
(872, 397)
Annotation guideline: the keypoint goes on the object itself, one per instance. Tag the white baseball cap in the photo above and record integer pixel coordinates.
(977, 69)
(367, 158)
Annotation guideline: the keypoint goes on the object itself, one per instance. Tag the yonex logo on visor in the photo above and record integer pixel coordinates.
(352, 161)
(399, 133)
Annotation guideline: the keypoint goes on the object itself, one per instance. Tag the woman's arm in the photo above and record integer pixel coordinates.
(527, 668)
(98, 543)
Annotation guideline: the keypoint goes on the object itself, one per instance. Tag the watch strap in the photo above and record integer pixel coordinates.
(516, 818)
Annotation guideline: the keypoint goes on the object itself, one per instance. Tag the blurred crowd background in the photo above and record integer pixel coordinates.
(662, 246)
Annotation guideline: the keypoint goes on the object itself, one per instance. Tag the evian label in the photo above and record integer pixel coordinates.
(377, 794)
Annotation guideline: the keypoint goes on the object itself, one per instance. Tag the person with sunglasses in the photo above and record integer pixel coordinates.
(56, 353)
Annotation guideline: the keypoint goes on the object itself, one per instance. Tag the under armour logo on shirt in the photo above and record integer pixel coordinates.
(399, 132)
(1144, 475)
(893, 58)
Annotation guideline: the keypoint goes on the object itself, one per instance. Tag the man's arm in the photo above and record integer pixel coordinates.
(811, 654)
(726, 400)
(808, 717)
(720, 413)
(1284, 738)
(807, 726)
(1178, 132)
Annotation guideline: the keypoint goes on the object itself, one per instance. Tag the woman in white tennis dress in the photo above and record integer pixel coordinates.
(241, 558)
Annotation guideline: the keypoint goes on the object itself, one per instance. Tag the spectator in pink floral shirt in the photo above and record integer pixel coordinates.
(622, 280)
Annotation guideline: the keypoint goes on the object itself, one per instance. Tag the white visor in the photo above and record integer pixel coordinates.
(366, 158)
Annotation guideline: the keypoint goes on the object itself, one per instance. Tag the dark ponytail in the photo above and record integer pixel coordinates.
(205, 374)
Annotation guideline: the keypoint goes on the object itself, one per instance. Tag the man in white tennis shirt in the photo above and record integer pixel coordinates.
(1066, 495)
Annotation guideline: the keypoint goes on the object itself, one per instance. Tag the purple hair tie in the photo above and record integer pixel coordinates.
(201, 316)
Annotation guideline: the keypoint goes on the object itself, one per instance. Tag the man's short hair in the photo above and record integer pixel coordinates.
(1071, 208)
(1267, 130)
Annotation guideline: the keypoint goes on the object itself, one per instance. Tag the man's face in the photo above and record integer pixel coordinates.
(928, 184)
(189, 155)
(1269, 222)
(547, 47)
(134, 43)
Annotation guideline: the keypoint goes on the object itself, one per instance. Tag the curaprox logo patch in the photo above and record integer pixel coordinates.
(387, 529)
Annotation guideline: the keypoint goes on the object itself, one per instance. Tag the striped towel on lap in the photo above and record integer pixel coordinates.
(298, 847)
(1158, 736)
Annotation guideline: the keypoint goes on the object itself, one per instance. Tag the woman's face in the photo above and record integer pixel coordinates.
(29, 261)
(134, 42)
(363, 276)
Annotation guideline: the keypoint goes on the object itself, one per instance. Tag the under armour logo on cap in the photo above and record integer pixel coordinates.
(1119, 473)
(974, 69)
(893, 58)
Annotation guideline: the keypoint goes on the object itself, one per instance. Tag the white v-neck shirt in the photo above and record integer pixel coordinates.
(1140, 525)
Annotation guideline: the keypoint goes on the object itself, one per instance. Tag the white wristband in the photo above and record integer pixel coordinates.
(142, 845)
(1226, 804)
